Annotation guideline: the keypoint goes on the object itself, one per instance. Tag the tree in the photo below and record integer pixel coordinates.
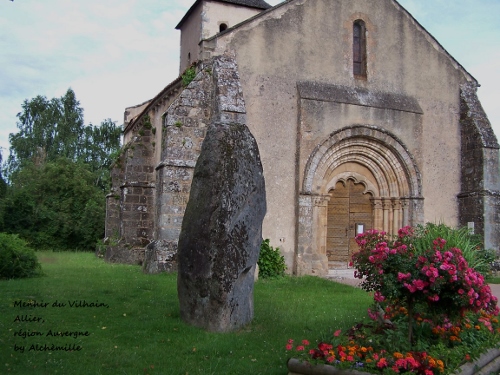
(51, 129)
(3, 184)
(58, 174)
(56, 206)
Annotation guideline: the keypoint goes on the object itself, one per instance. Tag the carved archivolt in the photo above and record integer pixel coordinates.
(392, 177)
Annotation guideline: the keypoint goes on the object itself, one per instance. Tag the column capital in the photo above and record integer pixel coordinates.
(376, 203)
(387, 203)
(321, 200)
(396, 203)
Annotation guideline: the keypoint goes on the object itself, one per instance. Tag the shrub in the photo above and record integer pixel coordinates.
(188, 76)
(470, 244)
(17, 260)
(271, 262)
(427, 275)
(432, 309)
(55, 206)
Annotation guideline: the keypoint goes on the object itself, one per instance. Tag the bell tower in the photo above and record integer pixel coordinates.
(207, 18)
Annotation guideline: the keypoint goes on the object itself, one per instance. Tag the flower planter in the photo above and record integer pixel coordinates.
(487, 364)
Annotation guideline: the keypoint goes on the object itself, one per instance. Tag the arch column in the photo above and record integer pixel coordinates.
(320, 214)
(396, 209)
(387, 214)
(311, 256)
(378, 214)
(405, 207)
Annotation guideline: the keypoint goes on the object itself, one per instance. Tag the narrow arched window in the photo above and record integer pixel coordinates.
(359, 49)
(222, 27)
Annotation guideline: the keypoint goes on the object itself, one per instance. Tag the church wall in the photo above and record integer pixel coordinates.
(191, 32)
(297, 43)
(316, 121)
(215, 13)
(132, 198)
(205, 22)
(130, 114)
(183, 133)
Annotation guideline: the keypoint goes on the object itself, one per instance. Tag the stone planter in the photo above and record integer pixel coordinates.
(487, 364)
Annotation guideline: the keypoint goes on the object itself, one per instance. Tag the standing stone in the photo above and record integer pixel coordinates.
(221, 231)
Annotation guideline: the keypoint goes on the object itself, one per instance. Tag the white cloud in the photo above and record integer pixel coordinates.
(119, 53)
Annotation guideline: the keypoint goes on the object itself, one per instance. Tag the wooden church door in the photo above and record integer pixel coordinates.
(349, 213)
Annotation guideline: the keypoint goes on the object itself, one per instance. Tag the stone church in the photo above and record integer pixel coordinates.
(363, 120)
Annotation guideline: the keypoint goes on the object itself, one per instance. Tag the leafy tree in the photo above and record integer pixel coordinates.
(51, 129)
(3, 184)
(58, 174)
(56, 206)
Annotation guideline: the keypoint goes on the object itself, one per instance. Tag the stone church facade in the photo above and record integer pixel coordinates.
(363, 120)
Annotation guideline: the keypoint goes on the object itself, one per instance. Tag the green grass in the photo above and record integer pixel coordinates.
(493, 280)
(141, 332)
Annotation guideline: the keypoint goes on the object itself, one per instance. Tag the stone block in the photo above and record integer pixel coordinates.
(222, 231)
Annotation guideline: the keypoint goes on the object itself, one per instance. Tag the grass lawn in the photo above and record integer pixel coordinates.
(493, 280)
(135, 327)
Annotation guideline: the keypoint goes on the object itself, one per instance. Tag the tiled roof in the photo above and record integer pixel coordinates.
(259, 4)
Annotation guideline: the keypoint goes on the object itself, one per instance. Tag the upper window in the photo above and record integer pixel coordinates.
(222, 27)
(359, 49)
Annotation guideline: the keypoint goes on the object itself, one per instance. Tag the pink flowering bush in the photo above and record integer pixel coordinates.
(432, 311)
(435, 282)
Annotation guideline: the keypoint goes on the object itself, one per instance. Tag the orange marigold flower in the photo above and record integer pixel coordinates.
(398, 355)
(368, 360)
(477, 327)
(363, 349)
(468, 326)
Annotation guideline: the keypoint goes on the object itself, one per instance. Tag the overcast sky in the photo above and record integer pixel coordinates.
(119, 53)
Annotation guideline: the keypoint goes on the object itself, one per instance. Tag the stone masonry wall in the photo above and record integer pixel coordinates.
(183, 133)
(214, 95)
(134, 173)
(479, 200)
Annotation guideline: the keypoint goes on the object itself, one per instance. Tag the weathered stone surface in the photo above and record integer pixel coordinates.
(132, 255)
(160, 256)
(222, 231)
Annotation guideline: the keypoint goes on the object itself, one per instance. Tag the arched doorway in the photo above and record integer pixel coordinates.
(349, 213)
(377, 163)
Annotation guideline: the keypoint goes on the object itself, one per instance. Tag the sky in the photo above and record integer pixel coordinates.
(119, 53)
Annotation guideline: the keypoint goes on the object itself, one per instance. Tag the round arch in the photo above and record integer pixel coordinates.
(386, 169)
